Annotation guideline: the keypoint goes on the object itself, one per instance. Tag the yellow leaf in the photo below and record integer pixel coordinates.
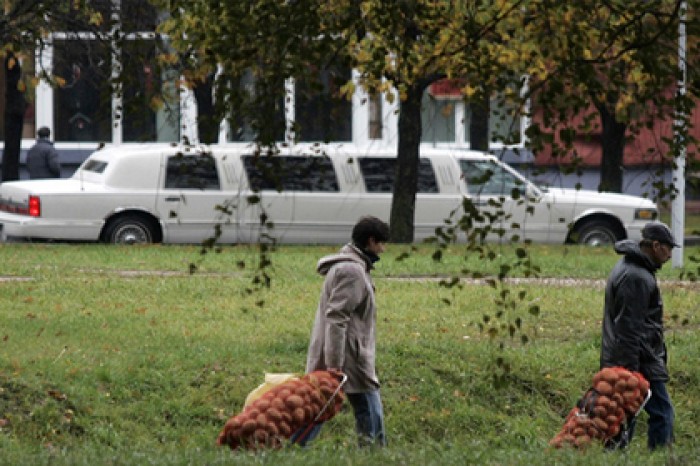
(157, 103)
(469, 90)
(96, 19)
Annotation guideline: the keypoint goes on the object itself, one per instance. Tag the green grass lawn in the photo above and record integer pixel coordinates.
(112, 355)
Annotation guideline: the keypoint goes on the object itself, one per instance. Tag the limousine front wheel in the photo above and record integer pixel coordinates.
(131, 229)
(596, 233)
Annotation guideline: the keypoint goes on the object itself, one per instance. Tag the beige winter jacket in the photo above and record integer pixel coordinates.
(343, 335)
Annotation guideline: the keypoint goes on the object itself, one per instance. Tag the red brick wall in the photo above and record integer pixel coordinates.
(643, 149)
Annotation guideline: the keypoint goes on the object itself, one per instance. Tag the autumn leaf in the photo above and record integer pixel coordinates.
(57, 395)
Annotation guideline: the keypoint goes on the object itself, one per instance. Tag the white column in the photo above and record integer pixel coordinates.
(289, 110)
(678, 204)
(44, 91)
(390, 132)
(360, 112)
(188, 115)
(117, 91)
(460, 113)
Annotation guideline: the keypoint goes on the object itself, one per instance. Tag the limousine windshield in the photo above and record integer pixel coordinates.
(489, 177)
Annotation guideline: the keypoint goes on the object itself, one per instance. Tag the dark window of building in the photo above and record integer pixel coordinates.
(192, 172)
(438, 119)
(294, 173)
(151, 102)
(379, 174)
(375, 116)
(264, 118)
(321, 113)
(138, 16)
(82, 104)
(504, 121)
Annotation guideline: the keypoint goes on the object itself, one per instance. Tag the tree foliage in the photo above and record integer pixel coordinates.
(588, 67)
(614, 65)
(96, 30)
(24, 25)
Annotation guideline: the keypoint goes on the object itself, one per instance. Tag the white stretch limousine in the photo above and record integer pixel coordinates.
(172, 194)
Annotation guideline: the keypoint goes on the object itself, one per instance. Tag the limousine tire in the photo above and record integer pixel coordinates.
(131, 229)
(596, 233)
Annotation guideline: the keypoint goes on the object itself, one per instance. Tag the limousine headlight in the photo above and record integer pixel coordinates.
(645, 214)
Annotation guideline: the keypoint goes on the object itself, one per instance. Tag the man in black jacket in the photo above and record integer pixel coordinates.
(633, 332)
(42, 158)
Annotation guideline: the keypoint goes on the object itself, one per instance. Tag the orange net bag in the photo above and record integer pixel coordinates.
(283, 409)
(616, 396)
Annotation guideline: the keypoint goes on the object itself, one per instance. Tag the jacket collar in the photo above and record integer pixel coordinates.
(631, 250)
(348, 253)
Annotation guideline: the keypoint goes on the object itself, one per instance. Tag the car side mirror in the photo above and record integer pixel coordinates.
(532, 192)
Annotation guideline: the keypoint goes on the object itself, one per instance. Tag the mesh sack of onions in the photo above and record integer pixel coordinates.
(616, 396)
(272, 418)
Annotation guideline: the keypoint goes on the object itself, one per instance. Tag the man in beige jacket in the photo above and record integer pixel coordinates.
(343, 335)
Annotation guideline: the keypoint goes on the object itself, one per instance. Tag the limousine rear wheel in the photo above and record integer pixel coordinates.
(131, 229)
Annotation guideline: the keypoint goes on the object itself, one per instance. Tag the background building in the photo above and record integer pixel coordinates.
(88, 109)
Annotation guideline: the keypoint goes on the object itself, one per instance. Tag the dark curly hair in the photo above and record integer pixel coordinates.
(369, 227)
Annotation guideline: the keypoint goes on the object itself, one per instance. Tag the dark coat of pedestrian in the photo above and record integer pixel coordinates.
(343, 337)
(633, 329)
(42, 159)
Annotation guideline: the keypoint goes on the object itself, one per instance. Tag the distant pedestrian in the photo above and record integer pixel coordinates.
(633, 329)
(42, 158)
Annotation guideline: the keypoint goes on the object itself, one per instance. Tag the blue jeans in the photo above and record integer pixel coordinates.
(369, 421)
(369, 418)
(661, 418)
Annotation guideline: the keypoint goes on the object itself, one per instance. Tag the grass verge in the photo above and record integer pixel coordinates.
(115, 355)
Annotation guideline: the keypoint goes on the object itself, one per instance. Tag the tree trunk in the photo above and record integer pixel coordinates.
(14, 119)
(479, 124)
(406, 182)
(613, 143)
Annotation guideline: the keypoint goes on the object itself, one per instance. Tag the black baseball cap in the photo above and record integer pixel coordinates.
(657, 231)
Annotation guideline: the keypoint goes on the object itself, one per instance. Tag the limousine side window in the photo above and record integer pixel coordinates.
(192, 172)
(379, 174)
(487, 177)
(290, 173)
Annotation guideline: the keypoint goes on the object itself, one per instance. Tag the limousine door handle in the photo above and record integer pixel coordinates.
(172, 199)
